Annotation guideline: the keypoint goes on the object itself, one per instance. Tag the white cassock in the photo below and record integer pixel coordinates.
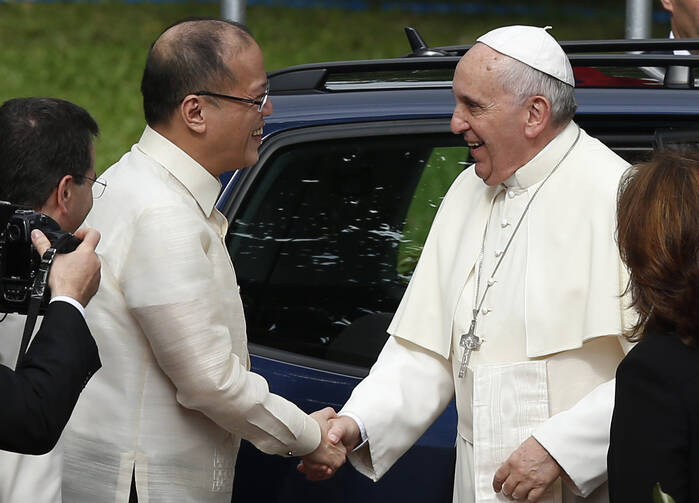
(25, 477)
(175, 394)
(551, 322)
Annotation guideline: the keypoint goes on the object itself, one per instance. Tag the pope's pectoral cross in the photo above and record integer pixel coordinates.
(470, 342)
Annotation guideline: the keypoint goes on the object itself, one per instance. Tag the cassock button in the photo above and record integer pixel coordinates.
(485, 310)
(510, 194)
(498, 253)
(504, 223)
(491, 282)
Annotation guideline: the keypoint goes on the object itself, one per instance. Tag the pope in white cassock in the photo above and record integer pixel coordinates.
(516, 304)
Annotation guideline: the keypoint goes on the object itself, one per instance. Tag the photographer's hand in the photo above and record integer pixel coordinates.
(76, 274)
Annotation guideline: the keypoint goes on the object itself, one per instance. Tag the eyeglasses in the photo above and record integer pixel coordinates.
(260, 103)
(98, 185)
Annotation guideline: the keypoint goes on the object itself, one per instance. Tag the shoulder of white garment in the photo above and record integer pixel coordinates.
(424, 315)
(590, 172)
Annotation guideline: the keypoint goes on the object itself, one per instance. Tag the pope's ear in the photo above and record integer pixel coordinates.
(192, 114)
(538, 116)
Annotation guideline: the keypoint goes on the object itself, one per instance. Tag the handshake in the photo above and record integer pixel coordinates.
(339, 435)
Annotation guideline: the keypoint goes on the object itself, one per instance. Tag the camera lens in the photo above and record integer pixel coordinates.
(14, 232)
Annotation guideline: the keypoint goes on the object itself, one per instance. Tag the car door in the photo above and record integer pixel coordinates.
(325, 232)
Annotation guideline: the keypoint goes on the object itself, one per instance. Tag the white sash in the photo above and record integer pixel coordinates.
(509, 400)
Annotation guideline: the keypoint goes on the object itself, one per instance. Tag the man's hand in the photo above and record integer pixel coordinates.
(322, 463)
(527, 473)
(76, 274)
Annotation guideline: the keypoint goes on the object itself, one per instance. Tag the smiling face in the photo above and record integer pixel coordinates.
(490, 120)
(235, 128)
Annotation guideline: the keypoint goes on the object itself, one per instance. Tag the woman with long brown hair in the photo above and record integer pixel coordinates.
(655, 427)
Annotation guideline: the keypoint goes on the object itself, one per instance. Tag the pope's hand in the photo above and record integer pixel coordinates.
(527, 473)
(322, 463)
(343, 429)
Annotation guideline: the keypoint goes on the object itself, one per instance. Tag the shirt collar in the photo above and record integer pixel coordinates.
(679, 52)
(203, 186)
(543, 162)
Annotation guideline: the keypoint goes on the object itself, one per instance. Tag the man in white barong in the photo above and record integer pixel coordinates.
(165, 419)
(516, 303)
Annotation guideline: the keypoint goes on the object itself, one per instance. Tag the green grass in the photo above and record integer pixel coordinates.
(93, 53)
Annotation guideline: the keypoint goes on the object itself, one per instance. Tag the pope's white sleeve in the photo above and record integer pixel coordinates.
(406, 390)
(171, 288)
(578, 438)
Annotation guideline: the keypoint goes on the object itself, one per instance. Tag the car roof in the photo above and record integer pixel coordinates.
(609, 81)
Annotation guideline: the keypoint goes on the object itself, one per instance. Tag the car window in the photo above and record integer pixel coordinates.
(329, 235)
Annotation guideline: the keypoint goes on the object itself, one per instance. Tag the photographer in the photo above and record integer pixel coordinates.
(47, 164)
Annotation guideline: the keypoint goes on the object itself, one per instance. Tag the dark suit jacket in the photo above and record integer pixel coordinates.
(655, 426)
(39, 396)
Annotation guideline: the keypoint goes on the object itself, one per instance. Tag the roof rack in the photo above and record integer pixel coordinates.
(668, 70)
(615, 45)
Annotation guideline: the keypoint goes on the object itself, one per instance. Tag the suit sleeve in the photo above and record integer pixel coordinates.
(39, 396)
(407, 389)
(169, 284)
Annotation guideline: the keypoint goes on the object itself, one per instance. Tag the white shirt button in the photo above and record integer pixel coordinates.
(510, 194)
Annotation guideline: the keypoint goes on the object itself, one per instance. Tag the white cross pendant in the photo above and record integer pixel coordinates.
(470, 342)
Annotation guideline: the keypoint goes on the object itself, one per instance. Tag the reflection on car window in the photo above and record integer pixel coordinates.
(329, 235)
(441, 168)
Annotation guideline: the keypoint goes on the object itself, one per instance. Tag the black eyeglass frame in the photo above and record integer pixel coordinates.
(94, 181)
(260, 103)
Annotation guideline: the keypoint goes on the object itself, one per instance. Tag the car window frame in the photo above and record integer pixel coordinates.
(245, 179)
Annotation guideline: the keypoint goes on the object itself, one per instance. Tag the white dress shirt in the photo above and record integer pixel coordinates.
(679, 52)
(174, 396)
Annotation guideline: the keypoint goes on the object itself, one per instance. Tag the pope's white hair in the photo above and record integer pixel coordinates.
(523, 82)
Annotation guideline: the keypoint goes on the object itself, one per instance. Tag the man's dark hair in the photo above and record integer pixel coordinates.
(41, 141)
(187, 57)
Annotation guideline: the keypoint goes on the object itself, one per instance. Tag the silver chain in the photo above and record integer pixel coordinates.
(477, 305)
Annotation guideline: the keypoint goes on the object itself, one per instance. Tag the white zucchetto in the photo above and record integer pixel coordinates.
(532, 46)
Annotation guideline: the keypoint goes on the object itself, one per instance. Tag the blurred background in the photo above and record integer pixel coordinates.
(92, 53)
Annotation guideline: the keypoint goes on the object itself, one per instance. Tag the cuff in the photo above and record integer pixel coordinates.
(77, 305)
(578, 438)
(308, 441)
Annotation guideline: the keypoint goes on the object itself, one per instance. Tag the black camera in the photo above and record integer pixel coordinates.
(19, 260)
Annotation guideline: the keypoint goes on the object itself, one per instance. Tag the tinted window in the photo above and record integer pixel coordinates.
(326, 241)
